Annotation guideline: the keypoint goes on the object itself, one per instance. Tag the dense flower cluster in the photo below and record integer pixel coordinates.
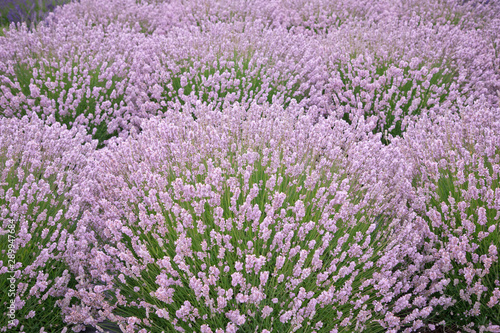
(252, 166)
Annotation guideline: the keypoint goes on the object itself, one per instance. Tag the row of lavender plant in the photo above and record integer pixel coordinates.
(66, 72)
(224, 166)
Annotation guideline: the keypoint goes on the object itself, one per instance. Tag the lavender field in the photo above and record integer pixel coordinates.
(221, 166)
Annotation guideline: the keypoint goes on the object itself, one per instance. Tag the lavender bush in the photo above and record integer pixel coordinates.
(456, 192)
(40, 164)
(217, 222)
(252, 166)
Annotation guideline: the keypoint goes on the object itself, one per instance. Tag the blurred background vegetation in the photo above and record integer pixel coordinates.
(29, 11)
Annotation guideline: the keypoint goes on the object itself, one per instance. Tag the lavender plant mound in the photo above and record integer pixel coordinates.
(40, 165)
(457, 194)
(240, 219)
(261, 166)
